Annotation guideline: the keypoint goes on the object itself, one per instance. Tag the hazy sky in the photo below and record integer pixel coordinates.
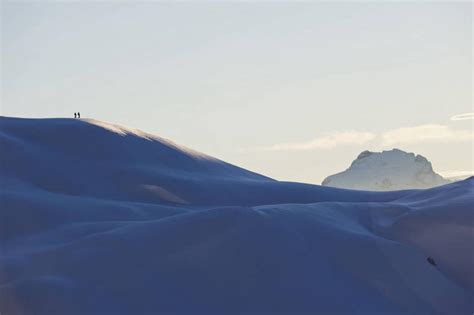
(291, 90)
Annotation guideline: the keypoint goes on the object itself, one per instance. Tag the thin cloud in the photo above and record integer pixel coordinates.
(430, 133)
(426, 133)
(327, 141)
(465, 116)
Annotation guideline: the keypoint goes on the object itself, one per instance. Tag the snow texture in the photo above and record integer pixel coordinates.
(100, 219)
(387, 170)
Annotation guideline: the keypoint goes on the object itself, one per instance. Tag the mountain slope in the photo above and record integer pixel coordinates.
(387, 170)
(214, 238)
(94, 159)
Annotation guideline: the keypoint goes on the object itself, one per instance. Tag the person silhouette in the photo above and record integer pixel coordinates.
(78, 115)
(431, 261)
(75, 115)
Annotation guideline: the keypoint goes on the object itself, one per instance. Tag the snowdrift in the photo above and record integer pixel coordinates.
(100, 219)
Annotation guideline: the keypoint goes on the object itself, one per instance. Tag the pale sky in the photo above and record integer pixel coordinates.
(291, 90)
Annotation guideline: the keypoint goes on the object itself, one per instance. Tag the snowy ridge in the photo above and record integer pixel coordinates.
(91, 159)
(124, 131)
(387, 170)
(121, 222)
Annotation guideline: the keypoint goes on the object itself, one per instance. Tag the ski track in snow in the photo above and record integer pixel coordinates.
(100, 219)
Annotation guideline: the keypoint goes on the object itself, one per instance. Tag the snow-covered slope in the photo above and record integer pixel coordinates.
(387, 170)
(94, 159)
(78, 236)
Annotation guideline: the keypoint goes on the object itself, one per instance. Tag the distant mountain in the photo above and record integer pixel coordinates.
(387, 170)
(457, 178)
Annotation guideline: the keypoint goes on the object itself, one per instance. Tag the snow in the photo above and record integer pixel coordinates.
(101, 219)
(387, 170)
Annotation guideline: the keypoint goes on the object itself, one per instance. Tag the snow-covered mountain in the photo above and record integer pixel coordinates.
(387, 170)
(100, 219)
